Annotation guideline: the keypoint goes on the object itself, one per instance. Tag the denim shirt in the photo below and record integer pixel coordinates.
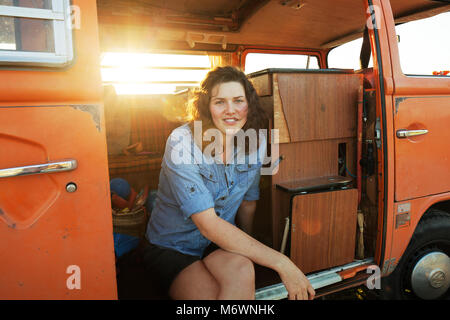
(186, 188)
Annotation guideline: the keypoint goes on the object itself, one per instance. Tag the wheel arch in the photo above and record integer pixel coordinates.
(424, 209)
(427, 236)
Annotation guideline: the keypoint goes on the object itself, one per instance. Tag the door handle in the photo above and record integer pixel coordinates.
(410, 133)
(51, 167)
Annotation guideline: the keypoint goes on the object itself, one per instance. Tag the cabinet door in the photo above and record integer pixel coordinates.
(323, 229)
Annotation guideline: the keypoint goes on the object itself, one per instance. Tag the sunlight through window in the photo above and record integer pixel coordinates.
(146, 73)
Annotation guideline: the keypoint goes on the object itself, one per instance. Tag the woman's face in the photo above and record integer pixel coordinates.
(228, 107)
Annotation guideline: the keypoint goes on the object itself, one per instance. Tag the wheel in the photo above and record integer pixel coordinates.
(424, 269)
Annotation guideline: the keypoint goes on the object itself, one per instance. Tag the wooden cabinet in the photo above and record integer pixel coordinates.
(310, 105)
(323, 229)
(315, 113)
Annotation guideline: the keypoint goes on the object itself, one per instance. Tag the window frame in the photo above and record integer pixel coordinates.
(281, 51)
(60, 17)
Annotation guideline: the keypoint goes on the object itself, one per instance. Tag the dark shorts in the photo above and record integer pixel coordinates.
(164, 264)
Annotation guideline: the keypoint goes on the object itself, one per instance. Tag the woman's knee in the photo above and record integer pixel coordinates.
(229, 266)
(242, 267)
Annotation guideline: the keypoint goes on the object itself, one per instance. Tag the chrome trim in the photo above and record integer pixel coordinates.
(51, 167)
(317, 280)
(410, 133)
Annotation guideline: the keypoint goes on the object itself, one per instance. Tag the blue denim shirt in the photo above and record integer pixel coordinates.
(186, 188)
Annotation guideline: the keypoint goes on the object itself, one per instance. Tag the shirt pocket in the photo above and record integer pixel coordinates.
(210, 180)
(246, 174)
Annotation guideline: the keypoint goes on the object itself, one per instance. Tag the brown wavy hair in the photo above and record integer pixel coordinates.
(198, 106)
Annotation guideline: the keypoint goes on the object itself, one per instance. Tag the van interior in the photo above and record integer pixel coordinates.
(322, 207)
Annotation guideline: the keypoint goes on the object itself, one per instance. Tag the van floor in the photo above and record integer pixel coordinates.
(134, 283)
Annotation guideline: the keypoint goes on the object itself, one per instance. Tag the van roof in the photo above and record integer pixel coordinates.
(219, 24)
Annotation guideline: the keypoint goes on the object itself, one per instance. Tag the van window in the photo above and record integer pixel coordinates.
(347, 56)
(153, 73)
(424, 46)
(260, 61)
(35, 32)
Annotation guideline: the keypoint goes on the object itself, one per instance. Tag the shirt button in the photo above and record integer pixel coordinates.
(210, 176)
(192, 189)
(223, 198)
(231, 182)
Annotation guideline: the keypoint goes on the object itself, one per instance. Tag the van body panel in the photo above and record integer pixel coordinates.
(76, 83)
(56, 244)
(407, 215)
(378, 35)
(46, 231)
(422, 161)
(418, 102)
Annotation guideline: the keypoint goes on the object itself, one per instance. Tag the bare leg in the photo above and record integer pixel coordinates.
(195, 282)
(234, 273)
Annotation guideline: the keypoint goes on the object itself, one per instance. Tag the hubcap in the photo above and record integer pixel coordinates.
(430, 277)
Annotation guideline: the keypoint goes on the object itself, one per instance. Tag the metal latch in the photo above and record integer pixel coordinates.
(378, 133)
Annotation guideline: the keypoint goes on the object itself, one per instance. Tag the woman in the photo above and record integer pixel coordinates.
(202, 197)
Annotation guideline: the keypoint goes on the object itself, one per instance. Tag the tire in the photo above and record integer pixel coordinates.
(424, 269)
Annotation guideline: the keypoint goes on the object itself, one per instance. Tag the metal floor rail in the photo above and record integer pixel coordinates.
(318, 280)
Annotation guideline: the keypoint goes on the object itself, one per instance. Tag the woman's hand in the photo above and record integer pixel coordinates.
(232, 239)
(296, 283)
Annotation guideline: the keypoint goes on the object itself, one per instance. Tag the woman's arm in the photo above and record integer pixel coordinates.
(232, 239)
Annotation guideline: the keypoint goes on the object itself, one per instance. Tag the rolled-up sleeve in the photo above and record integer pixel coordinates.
(183, 175)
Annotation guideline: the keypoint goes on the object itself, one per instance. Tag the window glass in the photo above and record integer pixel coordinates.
(260, 61)
(347, 56)
(37, 4)
(39, 36)
(7, 34)
(147, 74)
(424, 46)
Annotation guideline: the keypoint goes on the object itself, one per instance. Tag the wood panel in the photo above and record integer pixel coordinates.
(304, 160)
(263, 84)
(319, 106)
(279, 117)
(323, 229)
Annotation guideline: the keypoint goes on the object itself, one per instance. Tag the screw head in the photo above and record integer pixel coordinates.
(71, 187)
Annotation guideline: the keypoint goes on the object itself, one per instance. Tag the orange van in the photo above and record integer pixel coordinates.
(358, 194)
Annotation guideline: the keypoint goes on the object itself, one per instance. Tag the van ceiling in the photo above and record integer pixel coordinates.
(316, 24)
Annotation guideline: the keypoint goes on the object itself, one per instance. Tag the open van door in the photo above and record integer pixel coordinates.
(421, 107)
(56, 239)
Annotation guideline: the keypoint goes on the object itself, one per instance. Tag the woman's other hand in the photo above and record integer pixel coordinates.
(296, 283)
